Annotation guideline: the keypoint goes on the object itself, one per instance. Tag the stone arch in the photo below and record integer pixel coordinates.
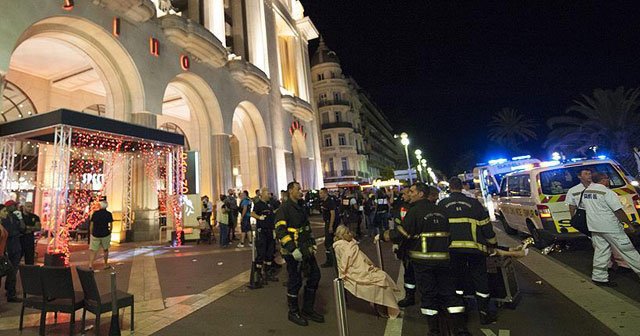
(254, 151)
(125, 92)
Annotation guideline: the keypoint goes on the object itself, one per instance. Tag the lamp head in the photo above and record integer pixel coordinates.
(418, 152)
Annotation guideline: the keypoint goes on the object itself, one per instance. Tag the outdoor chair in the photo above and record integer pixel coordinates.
(57, 285)
(99, 304)
(33, 297)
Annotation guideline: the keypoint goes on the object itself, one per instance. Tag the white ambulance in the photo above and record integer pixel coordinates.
(533, 201)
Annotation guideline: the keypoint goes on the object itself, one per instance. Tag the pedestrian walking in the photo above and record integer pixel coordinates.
(472, 238)
(329, 209)
(27, 240)
(264, 213)
(605, 219)
(293, 229)
(13, 225)
(100, 229)
(232, 207)
(222, 217)
(426, 229)
(245, 218)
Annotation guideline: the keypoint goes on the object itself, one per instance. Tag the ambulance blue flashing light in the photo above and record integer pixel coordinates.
(523, 157)
(602, 157)
(556, 156)
(497, 162)
(576, 159)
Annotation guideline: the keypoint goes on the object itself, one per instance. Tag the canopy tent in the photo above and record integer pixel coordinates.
(85, 143)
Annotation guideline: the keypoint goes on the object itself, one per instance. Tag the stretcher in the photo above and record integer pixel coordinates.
(503, 281)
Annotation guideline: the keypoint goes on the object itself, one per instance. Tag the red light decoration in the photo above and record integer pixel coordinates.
(297, 126)
(154, 46)
(116, 27)
(185, 63)
(68, 5)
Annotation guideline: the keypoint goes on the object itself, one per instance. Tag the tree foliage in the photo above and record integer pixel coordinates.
(510, 129)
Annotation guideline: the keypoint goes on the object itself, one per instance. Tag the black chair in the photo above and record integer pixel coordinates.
(32, 294)
(99, 304)
(57, 285)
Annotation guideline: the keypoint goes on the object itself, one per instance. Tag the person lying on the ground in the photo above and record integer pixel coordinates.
(361, 277)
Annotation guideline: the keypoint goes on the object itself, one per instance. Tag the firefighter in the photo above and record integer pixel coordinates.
(264, 213)
(472, 237)
(400, 209)
(329, 211)
(425, 230)
(298, 249)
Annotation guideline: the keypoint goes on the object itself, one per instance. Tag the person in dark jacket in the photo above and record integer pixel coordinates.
(472, 237)
(425, 230)
(15, 227)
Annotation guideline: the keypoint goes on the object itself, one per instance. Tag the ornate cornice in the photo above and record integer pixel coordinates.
(195, 39)
(132, 10)
(250, 76)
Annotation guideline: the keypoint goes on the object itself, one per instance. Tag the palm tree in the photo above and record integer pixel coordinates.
(509, 128)
(609, 120)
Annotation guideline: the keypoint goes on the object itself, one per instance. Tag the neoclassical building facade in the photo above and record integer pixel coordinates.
(232, 76)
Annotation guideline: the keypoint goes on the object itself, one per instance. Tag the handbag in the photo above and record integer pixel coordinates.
(5, 265)
(579, 219)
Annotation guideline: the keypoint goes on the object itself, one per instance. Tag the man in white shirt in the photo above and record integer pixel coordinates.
(573, 195)
(605, 217)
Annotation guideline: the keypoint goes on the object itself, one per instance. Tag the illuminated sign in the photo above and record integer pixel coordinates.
(68, 5)
(116, 27)
(297, 126)
(185, 63)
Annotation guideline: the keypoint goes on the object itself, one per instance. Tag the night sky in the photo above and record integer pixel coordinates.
(441, 69)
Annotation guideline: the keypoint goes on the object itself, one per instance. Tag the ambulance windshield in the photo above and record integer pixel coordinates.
(559, 181)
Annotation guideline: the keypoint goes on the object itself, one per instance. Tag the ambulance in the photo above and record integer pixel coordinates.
(533, 201)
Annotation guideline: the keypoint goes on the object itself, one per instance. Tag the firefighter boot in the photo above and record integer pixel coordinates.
(458, 324)
(409, 298)
(294, 312)
(486, 315)
(433, 321)
(307, 306)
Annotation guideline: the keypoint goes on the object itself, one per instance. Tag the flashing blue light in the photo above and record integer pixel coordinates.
(602, 157)
(523, 157)
(576, 159)
(497, 162)
(556, 156)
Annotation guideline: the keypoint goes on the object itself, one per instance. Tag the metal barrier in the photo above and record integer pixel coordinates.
(341, 307)
(379, 253)
(114, 329)
(254, 277)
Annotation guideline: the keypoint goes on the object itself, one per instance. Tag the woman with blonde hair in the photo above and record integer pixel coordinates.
(361, 277)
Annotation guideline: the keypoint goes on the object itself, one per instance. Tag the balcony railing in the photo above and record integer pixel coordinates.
(348, 172)
(331, 174)
(342, 102)
(341, 124)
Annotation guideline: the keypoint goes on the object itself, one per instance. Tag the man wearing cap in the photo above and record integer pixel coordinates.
(15, 227)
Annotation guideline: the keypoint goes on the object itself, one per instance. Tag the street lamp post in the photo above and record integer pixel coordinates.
(423, 163)
(418, 153)
(404, 140)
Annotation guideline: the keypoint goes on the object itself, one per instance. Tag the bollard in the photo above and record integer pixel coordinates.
(114, 329)
(379, 252)
(341, 307)
(254, 277)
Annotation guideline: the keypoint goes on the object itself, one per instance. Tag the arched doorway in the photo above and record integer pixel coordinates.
(248, 145)
(300, 158)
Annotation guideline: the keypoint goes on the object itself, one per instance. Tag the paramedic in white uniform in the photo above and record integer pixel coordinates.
(604, 219)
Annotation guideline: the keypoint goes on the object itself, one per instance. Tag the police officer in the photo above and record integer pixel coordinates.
(328, 207)
(348, 209)
(298, 249)
(471, 238)
(426, 231)
(382, 211)
(14, 226)
(264, 213)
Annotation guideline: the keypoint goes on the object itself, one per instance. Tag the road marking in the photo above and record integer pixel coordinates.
(501, 332)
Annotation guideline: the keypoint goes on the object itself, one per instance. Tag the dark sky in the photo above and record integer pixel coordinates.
(441, 69)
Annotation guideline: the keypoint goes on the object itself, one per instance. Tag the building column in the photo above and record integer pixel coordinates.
(214, 19)
(145, 195)
(221, 164)
(265, 168)
(2, 76)
(256, 33)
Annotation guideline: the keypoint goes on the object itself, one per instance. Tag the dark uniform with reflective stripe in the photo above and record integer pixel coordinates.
(425, 230)
(326, 206)
(293, 230)
(471, 236)
(400, 211)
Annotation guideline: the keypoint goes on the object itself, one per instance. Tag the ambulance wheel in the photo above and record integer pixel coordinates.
(538, 240)
(508, 229)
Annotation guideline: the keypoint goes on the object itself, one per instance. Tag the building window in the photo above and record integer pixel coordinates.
(325, 117)
(345, 164)
(322, 97)
(327, 140)
(333, 74)
(338, 115)
(331, 167)
(320, 77)
(342, 140)
(337, 96)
